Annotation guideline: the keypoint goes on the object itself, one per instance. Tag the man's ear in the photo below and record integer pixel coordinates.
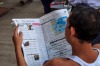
(72, 31)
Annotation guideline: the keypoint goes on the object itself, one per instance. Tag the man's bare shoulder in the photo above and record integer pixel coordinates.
(60, 62)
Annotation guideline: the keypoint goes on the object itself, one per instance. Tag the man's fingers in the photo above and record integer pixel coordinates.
(16, 30)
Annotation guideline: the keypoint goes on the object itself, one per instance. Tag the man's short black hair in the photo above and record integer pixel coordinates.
(79, 5)
(86, 21)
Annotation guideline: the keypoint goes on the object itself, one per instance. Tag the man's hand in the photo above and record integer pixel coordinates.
(17, 38)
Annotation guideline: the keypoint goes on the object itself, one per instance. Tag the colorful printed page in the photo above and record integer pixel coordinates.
(53, 26)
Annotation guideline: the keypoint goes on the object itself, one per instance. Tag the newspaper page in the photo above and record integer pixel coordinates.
(33, 45)
(53, 26)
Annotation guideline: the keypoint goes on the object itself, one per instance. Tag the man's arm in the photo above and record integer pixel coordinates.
(17, 40)
(53, 62)
(60, 62)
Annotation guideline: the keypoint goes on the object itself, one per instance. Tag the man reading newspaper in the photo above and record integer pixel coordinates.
(83, 25)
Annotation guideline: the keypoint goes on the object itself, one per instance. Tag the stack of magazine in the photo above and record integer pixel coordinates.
(57, 4)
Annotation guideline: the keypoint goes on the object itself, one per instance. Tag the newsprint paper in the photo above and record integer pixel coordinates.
(44, 38)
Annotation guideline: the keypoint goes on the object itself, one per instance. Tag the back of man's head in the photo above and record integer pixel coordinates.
(86, 21)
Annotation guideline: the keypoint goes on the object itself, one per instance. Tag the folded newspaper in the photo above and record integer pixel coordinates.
(44, 38)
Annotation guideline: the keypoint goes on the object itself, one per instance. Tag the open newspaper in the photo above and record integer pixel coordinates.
(44, 38)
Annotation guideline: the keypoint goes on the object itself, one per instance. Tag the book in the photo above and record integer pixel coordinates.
(44, 37)
(58, 4)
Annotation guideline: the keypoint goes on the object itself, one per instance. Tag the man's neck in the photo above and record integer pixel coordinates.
(85, 52)
(81, 47)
